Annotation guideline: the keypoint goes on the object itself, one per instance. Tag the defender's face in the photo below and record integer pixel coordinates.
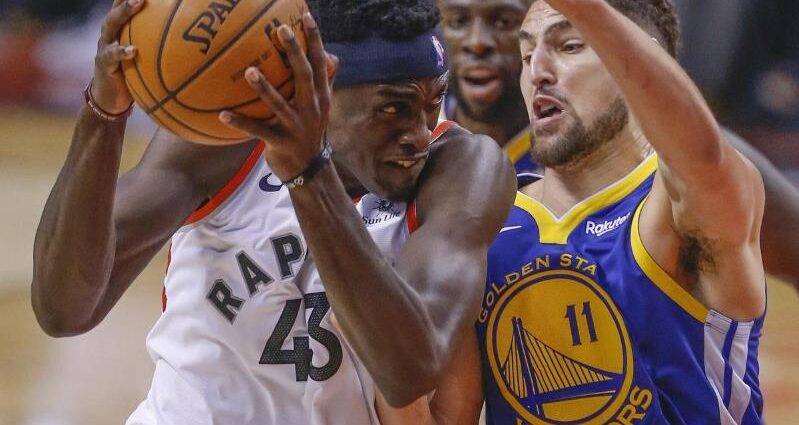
(482, 39)
(381, 133)
(571, 98)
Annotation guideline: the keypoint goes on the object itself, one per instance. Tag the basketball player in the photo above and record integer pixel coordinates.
(246, 335)
(483, 41)
(626, 286)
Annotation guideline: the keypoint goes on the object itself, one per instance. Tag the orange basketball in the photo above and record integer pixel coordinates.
(191, 60)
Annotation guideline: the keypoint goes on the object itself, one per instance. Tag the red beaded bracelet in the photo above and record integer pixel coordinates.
(122, 116)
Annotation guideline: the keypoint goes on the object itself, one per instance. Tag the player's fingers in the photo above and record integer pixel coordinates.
(300, 68)
(110, 56)
(332, 68)
(318, 60)
(120, 13)
(270, 96)
(254, 128)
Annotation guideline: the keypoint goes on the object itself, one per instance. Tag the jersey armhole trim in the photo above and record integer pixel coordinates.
(659, 277)
(442, 128)
(230, 187)
(410, 217)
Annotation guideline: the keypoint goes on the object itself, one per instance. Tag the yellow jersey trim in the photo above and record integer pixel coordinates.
(660, 278)
(519, 145)
(556, 230)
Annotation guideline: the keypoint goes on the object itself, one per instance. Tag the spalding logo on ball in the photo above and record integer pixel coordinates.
(192, 56)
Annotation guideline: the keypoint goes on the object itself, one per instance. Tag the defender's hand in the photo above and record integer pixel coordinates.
(294, 135)
(109, 89)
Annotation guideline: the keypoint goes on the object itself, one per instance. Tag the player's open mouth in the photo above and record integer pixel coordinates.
(481, 83)
(546, 110)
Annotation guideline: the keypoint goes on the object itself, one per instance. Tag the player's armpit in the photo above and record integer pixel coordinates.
(97, 234)
(187, 175)
(707, 238)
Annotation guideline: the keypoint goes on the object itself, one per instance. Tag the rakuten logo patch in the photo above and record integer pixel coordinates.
(599, 229)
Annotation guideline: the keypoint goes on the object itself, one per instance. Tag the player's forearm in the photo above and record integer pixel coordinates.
(669, 107)
(74, 246)
(381, 315)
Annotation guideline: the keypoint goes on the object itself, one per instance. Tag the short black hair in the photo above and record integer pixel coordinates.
(657, 17)
(352, 20)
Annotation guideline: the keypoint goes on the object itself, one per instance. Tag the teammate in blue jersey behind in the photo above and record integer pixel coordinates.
(627, 285)
(482, 37)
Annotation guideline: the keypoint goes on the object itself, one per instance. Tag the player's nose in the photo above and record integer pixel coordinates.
(542, 70)
(478, 41)
(417, 138)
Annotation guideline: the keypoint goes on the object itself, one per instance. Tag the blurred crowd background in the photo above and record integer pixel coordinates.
(743, 54)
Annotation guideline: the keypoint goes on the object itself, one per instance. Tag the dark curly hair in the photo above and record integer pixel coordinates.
(350, 20)
(657, 17)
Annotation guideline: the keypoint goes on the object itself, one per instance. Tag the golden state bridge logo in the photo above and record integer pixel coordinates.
(559, 350)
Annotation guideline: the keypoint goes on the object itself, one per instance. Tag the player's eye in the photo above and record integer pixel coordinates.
(456, 21)
(503, 23)
(572, 46)
(392, 108)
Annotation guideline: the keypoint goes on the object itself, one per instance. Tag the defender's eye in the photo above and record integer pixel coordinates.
(572, 46)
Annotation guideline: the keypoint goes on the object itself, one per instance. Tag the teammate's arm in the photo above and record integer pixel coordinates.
(706, 194)
(779, 244)
(457, 400)
(96, 235)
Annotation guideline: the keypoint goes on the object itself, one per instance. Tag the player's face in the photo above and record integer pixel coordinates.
(483, 43)
(573, 103)
(381, 133)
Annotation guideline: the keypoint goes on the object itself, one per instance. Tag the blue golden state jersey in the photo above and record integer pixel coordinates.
(579, 325)
(517, 149)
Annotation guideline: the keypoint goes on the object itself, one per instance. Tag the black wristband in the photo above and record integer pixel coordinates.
(316, 164)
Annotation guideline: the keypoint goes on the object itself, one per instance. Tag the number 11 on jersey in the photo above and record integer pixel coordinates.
(571, 314)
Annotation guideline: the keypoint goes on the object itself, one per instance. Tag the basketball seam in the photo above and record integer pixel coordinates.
(138, 72)
(247, 103)
(172, 94)
(151, 111)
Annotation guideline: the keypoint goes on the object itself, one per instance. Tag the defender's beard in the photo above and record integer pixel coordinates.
(578, 142)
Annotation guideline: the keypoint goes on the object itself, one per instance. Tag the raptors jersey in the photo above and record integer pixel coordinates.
(579, 325)
(246, 336)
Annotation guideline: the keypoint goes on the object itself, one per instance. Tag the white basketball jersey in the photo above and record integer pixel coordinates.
(245, 337)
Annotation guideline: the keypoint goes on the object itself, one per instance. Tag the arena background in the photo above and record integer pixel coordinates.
(743, 53)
